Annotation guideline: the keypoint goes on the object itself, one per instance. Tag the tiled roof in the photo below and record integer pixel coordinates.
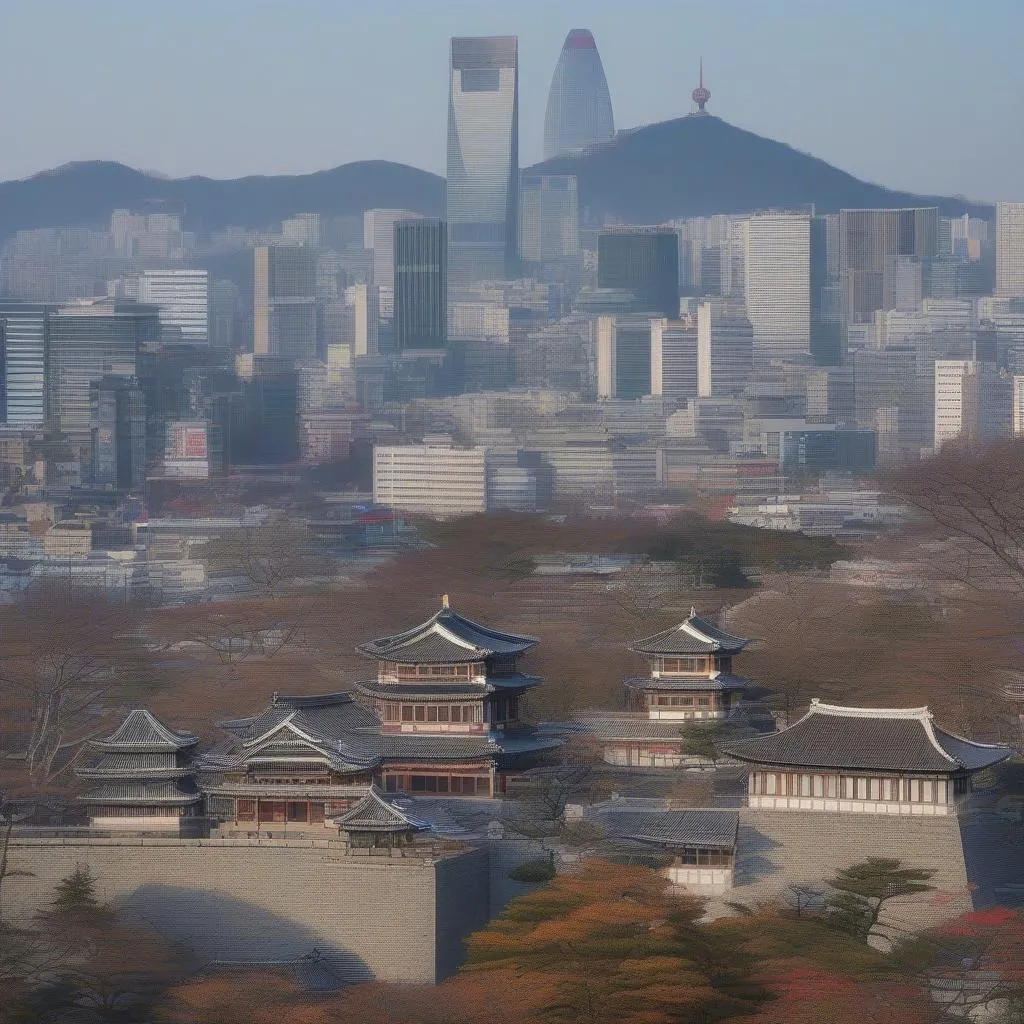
(141, 731)
(138, 793)
(700, 827)
(718, 682)
(377, 812)
(899, 740)
(693, 636)
(446, 638)
(139, 766)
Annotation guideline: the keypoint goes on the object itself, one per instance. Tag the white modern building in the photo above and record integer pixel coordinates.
(435, 479)
(973, 402)
(777, 276)
(379, 238)
(182, 297)
(1010, 249)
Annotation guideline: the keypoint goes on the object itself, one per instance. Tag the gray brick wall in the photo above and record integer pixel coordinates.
(396, 920)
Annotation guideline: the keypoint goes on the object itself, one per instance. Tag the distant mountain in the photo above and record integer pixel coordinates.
(699, 165)
(86, 193)
(690, 166)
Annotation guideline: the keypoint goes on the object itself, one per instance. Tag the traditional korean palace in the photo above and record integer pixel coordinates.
(689, 680)
(863, 761)
(441, 716)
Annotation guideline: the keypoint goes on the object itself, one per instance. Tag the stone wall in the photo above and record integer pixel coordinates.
(396, 919)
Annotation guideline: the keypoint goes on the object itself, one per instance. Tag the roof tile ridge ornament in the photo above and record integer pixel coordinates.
(445, 606)
(819, 706)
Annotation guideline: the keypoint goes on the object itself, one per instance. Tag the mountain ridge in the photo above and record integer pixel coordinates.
(689, 166)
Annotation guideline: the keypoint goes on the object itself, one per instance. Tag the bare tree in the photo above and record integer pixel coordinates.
(63, 658)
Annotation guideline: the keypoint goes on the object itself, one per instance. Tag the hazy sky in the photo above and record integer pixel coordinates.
(917, 94)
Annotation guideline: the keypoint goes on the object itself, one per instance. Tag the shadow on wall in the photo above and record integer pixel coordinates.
(753, 856)
(218, 928)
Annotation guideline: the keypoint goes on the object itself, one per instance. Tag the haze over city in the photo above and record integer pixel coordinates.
(557, 558)
(903, 94)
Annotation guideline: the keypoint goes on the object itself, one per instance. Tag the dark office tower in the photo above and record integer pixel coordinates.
(284, 301)
(421, 292)
(118, 433)
(483, 159)
(624, 356)
(868, 242)
(23, 326)
(645, 262)
(579, 111)
(87, 341)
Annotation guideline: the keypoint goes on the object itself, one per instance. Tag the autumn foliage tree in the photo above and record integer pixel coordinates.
(613, 943)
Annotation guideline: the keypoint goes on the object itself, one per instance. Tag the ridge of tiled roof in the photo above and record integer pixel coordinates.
(141, 730)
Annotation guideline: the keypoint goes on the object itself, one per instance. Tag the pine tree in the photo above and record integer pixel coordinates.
(74, 900)
(862, 890)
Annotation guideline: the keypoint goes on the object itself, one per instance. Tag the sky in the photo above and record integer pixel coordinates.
(923, 95)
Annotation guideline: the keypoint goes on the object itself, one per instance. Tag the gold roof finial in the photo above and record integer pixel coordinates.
(444, 600)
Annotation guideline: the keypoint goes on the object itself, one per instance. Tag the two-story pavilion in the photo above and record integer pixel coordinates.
(142, 776)
(689, 680)
(863, 761)
(690, 674)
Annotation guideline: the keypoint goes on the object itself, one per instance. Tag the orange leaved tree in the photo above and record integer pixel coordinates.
(613, 943)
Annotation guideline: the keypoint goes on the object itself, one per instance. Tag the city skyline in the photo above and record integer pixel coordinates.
(912, 122)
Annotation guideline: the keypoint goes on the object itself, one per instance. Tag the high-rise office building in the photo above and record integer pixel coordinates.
(549, 224)
(828, 339)
(421, 289)
(867, 241)
(24, 332)
(777, 276)
(644, 261)
(483, 159)
(725, 349)
(118, 422)
(284, 301)
(302, 229)
(89, 340)
(623, 356)
(1010, 249)
(364, 301)
(579, 111)
(379, 239)
(973, 402)
(182, 296)
(674, 358)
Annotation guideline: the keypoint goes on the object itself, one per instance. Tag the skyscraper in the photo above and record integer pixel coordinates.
(421, 293)
(579, 111)
(89, 340)
(284, 301)
(867, 240)
(1010, 249)
(777, 276)
(182, 296)
(483, 159)
(549, 224)
(118, 420)
(24, 330)
(646, 262)
(624, 356)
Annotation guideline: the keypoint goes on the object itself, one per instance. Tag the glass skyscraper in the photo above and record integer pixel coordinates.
(421, 294)
(579, 111)
(24, 331)
(644, 261)
(483, 159)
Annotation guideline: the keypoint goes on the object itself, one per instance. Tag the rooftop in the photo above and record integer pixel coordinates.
(142, 732)
(695, 635)
(878, 739)
(446, 638)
